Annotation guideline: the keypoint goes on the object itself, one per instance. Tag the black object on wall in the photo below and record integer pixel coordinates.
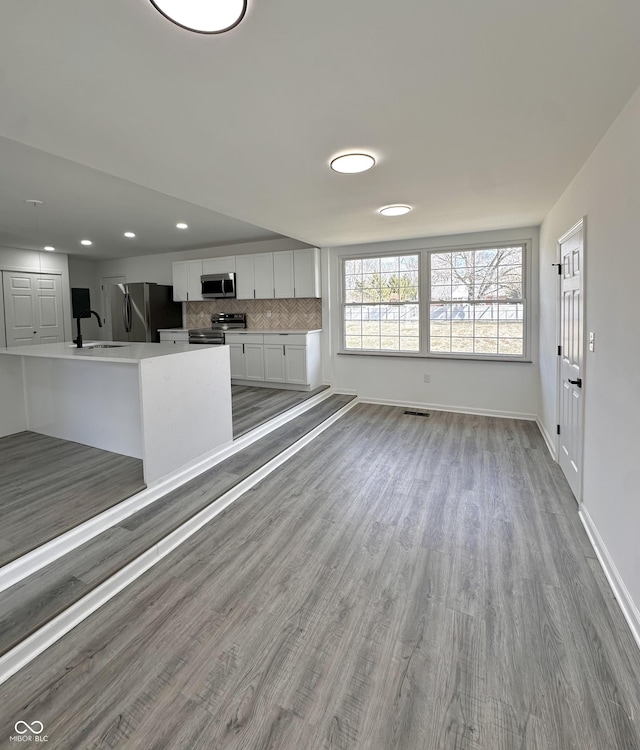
(80, 301)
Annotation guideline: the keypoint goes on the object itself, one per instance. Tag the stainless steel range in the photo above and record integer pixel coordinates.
(220, 322)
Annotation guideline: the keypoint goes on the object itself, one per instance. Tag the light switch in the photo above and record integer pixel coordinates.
(592, 341)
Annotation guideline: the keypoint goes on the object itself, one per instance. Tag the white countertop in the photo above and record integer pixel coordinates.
(124, 352)
(272, 330)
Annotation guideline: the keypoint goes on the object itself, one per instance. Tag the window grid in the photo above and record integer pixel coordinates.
(474, 303)
(381, 310)
(477, 302)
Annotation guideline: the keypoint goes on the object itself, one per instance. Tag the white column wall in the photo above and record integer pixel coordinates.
(607, 192)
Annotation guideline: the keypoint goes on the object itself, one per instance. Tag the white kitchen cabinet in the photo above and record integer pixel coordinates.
(254, 362)
(177, 336)
(263, 275)
(295, 365)
(283, 275)
(236, 357)
(244, 277)
(254, 276)
(285, 363)
(195, 285)
(180, 281)
(306, 272)
(247, 356)
(226, 264)
(186, 281)
(274, 370)
(285, 360)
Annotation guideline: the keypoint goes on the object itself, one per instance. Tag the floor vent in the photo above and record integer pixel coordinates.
(417, 413)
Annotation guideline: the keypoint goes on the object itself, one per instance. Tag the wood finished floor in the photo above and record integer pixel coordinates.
(402, 582)
(48, 486)
(252, 406)
(35, 600)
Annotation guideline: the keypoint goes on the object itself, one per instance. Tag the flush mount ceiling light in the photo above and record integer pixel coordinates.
(203, 16)
(395, 210)
(129, 234)
(49, 248)
(182, 225)
(352, 163)
(86, 242)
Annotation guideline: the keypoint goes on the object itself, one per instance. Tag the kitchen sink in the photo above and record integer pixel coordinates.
(98, 346)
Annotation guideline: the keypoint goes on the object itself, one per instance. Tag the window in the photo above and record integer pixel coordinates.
(471, 302)
(477, 302)
(381, 304)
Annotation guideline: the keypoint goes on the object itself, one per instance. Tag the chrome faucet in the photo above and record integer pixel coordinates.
(84, 314)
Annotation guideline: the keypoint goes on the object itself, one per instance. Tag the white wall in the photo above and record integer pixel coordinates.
(13, 259)
(607, 192)
(82, 273)
(501, 388)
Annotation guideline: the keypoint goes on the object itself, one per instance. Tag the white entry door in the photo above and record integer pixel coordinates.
(33, 308)
(572, 356)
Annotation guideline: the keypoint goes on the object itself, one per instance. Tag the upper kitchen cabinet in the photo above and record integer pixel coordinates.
(283, 274)
(306, 272)
(186, 281)
(254, 276)
(219, 265)
(297, 273)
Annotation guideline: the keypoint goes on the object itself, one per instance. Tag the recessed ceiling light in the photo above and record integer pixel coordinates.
(212, 17)
(49, 248)
(352, 163)
(395, 210)
(129, 234)
(86, 242)
(182, 225)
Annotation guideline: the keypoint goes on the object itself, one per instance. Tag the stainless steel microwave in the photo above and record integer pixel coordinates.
(216, 285)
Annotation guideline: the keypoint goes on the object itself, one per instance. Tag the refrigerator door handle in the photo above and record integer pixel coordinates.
(124, 312)
(129, 314)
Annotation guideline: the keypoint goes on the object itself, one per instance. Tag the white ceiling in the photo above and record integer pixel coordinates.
(479, 114)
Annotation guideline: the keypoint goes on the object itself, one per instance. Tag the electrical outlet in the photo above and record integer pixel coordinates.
(427, 378)
(592, 341)
(268, 313)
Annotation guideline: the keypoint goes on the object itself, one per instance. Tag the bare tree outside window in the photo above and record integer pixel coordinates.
(381, 311)
(477, 301)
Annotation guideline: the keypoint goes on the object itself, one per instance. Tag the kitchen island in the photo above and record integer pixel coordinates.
(168, 404)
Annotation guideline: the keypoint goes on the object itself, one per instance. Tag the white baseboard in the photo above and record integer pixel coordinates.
(620, 591)
(31, 562)
(446, 407)
(551, 444)
(52, 631)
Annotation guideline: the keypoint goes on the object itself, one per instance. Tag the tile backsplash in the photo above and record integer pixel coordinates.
(303, 314)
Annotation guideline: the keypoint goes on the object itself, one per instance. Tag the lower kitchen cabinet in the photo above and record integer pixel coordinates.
(247, 359)
(174, 336)
(282, 361)
(285, 363)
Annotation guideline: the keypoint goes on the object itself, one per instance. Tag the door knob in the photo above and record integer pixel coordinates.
(577, 382)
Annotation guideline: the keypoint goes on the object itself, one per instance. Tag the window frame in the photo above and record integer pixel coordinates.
(344, 304)
(424, 302)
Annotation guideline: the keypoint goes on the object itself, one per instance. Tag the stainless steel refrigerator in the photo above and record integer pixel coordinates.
(138, 310)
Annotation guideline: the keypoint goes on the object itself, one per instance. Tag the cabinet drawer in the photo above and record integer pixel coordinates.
(288, 339)
(174, 337)
(243, 338)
